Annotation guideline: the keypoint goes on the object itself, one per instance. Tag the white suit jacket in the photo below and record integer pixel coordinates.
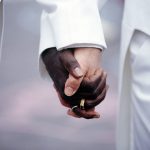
(136, 17)
(71, 23)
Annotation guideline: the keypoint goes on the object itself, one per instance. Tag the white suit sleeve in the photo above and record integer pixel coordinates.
(71, 23)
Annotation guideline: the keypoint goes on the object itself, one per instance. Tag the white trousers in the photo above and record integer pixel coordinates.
(140, 91)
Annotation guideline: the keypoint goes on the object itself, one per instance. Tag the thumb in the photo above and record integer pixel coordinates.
(72, 85)
(70, 63)
(75, 73)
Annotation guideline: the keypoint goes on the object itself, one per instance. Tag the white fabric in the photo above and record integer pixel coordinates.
(71, 23)
(135, 18)
(133, 120)
(140, 91)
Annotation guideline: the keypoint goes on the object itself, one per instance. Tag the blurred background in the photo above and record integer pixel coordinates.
(31, 117)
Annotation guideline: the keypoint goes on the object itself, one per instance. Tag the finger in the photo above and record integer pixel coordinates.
(70, 63)
(89, 84)
(96, 90)
(100, 87)
(86, 114)
(71, 113)
(102, 84)
(72, 85)
(92, 103)
(62, 101)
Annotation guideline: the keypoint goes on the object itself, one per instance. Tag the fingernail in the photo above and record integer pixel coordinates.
(78, 72)
(69, 91)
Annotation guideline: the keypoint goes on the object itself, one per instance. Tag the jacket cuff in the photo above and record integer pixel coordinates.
(77, 23)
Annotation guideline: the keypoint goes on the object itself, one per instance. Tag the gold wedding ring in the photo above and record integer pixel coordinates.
(82, 103)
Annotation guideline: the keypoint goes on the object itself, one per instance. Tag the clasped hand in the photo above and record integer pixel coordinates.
(77, 77)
